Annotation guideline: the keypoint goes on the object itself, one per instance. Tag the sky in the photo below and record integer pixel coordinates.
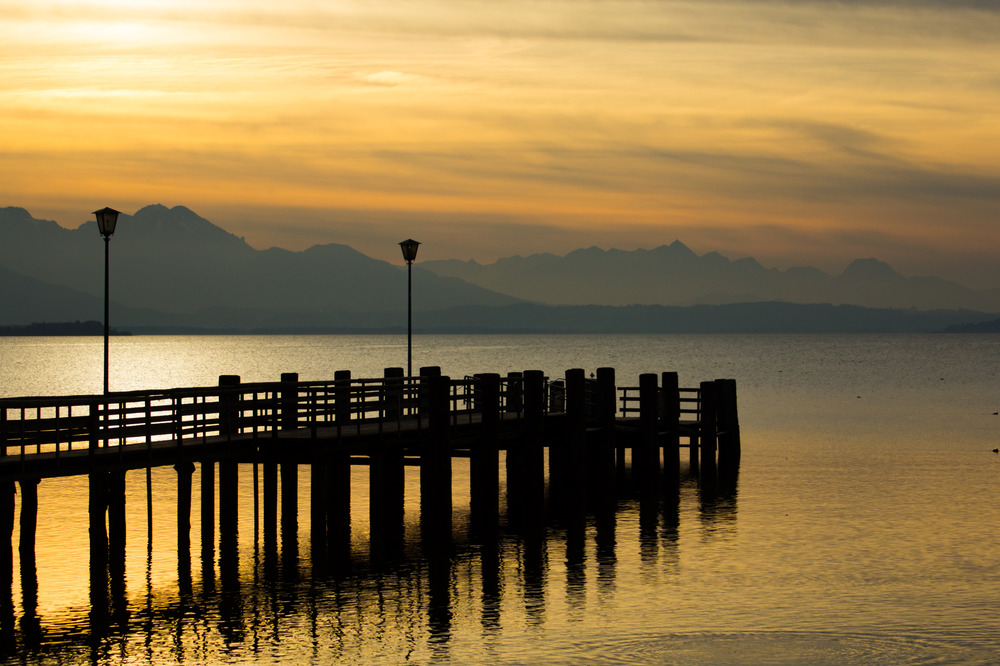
(799, 133)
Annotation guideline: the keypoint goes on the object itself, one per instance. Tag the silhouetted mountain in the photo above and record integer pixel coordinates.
(173, 271)
(992, 326)
(174, 261)
(674, 275)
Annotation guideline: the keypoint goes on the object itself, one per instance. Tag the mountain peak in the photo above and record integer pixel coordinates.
(870, 269)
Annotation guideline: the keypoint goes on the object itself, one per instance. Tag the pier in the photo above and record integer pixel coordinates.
(566, 442)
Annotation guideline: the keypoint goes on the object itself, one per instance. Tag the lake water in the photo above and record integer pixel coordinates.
(863, 527)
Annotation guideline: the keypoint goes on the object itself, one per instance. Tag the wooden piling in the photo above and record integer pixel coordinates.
(526, 457)
(184, 472)
(7, 513)
(116, 515)
(646, 454)
(207, 474)
(229, 504)
(572, 454)
(601, 446)
(670, 410)
(98, 509)
(485, 458)
(338, 497)
(435, 462)
(29, 517)
(386, 480)
(729, 422)
(709, 422)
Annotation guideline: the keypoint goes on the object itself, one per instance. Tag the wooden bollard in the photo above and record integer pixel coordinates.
(670, 412)
(485, 461)
(289, 401)
(228, 405)
(646, 454)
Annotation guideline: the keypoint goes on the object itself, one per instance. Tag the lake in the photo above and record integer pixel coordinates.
(862, 528)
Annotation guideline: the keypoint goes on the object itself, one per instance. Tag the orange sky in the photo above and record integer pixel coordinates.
(809, 132)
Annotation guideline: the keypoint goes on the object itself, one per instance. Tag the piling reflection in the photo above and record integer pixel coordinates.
(247, 599)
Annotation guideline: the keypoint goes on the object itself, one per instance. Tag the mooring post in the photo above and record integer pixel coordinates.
(289, 401)
(435, 462)
(485, 462)
(670, 396)
(646, 455)
(708, 415)
(228, 405)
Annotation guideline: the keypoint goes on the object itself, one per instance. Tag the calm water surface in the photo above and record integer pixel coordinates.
(862, 527)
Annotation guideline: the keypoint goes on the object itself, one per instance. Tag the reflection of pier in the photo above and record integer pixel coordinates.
(592, 430)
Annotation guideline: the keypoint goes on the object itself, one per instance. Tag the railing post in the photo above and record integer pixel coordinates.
(514, 400)
(394, 378)
(427, 374)
(228, 405)
(289, 401)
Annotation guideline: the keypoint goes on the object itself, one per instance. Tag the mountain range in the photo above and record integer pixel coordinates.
(172, 270)
(674, 275)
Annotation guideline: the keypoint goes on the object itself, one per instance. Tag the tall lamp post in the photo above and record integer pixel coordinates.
(409, 247)
(107, 218)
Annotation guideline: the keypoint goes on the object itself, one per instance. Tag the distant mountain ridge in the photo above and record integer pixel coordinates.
(674, 275)
(174, 271)
(172, 261)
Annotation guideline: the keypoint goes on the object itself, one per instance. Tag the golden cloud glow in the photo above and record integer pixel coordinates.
(759, 128)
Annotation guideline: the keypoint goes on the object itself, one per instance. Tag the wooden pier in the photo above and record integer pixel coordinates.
(590, 428)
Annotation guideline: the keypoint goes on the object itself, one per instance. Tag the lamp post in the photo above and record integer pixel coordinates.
(107, 218)
(409, 247)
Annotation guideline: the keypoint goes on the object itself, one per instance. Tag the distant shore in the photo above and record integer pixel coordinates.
(60, 328)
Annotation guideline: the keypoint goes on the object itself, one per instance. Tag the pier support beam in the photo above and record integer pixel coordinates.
(670, 397)
(709, 425)
(646, 454)
(526, 458)
(485, 459)
(7, 496)
(386, 480)
(601, 446)
(435, 466)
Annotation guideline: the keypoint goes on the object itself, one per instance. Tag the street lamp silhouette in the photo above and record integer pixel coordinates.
(107, 218)
(409, 247)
